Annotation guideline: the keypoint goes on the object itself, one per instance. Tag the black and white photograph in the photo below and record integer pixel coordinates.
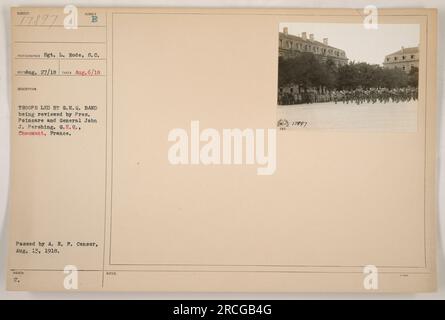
(348, 77)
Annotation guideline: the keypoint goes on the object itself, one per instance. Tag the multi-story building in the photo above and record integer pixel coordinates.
(404, 59)
(291, 46)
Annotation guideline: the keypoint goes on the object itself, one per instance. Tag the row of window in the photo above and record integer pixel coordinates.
(403, 58)
(299, 46)
(405, 68)
(337, 62)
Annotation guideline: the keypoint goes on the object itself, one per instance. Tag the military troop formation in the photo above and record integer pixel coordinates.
(357, 96)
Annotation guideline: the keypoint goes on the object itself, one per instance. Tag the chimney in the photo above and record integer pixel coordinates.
(311, 36)
(325, 41)
(304, 35)
(285, 30)
(403, 48)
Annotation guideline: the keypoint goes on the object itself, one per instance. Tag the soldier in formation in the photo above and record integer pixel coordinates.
(356, 96)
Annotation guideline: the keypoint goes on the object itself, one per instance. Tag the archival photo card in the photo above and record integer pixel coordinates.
(146, 153)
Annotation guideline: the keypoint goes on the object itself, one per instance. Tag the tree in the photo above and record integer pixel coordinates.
(394, 78)
(305, 70)
(308, 71)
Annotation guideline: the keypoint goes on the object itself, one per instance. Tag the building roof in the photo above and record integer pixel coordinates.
(405, 50)
(308, 41)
